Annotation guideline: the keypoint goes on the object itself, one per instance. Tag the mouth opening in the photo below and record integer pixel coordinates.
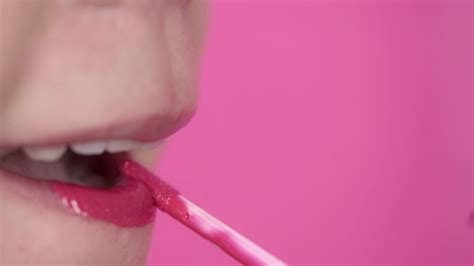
(99, 171)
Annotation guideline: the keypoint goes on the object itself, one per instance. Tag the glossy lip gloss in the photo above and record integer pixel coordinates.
(181, 209)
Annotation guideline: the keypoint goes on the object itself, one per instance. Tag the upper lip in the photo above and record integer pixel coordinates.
(149, 129)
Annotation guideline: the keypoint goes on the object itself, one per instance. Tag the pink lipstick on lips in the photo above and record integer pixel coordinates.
(127, 204)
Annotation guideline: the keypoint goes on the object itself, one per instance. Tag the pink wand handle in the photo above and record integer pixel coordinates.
(170, 201)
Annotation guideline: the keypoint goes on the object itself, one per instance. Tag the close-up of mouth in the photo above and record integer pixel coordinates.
(101, 180)
(85, 178)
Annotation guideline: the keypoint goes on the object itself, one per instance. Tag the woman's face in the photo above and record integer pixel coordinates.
(78, 77)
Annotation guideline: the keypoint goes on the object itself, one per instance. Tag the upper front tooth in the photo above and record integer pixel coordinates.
(45, 154)
(89, 148)
(123, 145)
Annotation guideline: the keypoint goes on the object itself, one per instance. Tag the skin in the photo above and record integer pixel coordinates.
(94, 59)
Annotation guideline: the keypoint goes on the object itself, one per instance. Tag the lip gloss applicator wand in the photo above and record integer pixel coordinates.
(168, 200)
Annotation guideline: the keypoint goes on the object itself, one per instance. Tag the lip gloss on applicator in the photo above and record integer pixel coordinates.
(168, 200)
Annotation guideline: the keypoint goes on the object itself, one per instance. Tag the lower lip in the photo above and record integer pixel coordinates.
(128, 204)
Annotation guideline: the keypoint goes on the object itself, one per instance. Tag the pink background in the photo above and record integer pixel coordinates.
(331, 133)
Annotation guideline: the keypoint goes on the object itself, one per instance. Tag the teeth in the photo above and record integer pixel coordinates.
(89, 148)
(123, 145)
(54, 153)
(45, 154)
